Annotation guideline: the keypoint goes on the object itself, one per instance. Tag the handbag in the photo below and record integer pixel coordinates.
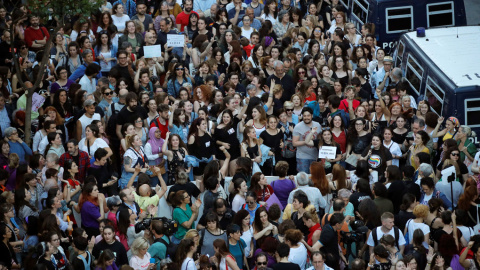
(288, 150)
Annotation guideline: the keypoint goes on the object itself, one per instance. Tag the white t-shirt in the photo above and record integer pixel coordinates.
(248, 238)
(237, 202)
(412, 226)
(380, 233)
(298, 255)
(140, 264)
(188, 264)
(99, 143)
(119, 22)
(395, 150)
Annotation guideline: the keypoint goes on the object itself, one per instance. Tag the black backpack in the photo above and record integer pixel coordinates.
(171, 248)
(112, 122)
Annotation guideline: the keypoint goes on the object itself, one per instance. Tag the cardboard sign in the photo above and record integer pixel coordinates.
(174, 40)
(329, 152)
(152, 51)
(37, 101)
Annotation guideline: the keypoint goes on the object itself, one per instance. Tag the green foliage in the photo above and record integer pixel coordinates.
(63, 10)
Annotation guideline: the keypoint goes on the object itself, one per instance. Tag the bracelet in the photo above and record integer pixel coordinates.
(370, 265)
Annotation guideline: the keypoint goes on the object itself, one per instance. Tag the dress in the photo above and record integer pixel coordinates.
(175, 163)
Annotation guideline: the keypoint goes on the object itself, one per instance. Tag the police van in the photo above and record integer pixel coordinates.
(443, 68)
(395, 17)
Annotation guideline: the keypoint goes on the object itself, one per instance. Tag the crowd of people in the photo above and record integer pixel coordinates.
(278, 135)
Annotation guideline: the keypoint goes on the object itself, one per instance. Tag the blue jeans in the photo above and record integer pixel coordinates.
(303, 165)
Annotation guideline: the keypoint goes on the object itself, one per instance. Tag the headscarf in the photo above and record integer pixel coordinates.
(154, 142)
(454, 120)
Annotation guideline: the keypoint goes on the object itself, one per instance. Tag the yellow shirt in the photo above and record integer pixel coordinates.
(144, 202)
(412, 156)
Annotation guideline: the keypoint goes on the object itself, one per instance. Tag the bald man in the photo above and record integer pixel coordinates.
(150, 39)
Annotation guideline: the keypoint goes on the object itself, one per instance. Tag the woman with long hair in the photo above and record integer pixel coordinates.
(467, 203)
(226, 135)
(250, 146)
(272, 137)
(339, 134)
(377, 155)
(92, 141)
(200, 144)
(92, 211)
(242, 219)
(184, 255)
(262, 227)
(420, 142)
(260, 186)
(202, 97)
(258, 120)
(119, 18)
(176, 80)
(222, 258)
(326, 139)
(106, 52)
(240, 189)
(320, 181)
(22, 204)
(177, 123)
(176, 153)
(163, 12)
(106, 261)
(358, 138)
(71, 187)
(135, 155)
(109, 243)
(54, 144)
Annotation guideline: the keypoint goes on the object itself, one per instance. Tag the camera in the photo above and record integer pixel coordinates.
(358, 233)
(169, 226)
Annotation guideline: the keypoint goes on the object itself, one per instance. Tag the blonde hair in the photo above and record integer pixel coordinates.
(421, 210)
(129, 140)
(139, 243)
(191, 234)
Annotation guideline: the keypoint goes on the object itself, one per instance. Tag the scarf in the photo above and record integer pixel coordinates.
(154, 142)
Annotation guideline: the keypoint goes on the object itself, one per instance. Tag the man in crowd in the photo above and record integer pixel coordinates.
(328, 242)
(314, 195)
(183, 18)
(282, 78)
(130, 113)
(36, 36)
(141, 16)
(87, 56)
(305, 154)
(81, 158)
(388, 227)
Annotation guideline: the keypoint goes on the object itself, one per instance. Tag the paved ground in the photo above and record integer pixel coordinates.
(472, 8)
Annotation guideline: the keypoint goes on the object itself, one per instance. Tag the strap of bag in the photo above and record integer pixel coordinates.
(478, 222)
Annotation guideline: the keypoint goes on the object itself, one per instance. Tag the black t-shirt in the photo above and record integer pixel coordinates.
(361, 143)
(357, 197)
(48, 264)
(329, 240)
(189, 187)
(125, 74)
(127, 116)
(402, 218)
(117, 248)
(395, 193)
(286, 266)
(378, 161)
(273, 141)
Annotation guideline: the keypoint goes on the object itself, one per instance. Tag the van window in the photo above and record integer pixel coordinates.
(414, 74)
(345, 3)
(472, 112)
(400, 51)
(399, 19)
(435, 96)
(440, 14)
(360, 10)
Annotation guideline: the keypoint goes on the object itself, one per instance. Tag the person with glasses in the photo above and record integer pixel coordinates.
(183, 214)
(17, 145)
(261, 262)
(318, 261)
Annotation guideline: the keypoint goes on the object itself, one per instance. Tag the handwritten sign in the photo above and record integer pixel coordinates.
(152, 51)
(329, 152)
(37, 101)
(174, 40)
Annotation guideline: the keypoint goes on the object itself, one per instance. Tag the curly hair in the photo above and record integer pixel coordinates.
(206, 92)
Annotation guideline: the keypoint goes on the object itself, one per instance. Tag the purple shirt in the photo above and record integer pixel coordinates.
(55, 86)
(12, 179)
(282, 188)
(90, 214)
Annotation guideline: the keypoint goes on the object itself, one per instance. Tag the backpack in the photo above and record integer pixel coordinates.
(112, 122)
(396, 231)
(86, 265)
(171, 248)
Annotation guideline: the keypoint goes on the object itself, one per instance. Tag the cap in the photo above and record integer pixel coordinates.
(388, 59)
(88, 102)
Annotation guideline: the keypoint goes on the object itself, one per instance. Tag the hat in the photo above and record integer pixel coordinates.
(388, 59)
(88, 102)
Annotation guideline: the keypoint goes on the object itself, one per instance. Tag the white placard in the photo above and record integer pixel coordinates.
(37, 101)
(446, 173)
(152, 51)
(329, 152)
(174, 40)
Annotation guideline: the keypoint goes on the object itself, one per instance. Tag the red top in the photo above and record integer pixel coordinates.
(312, 230)
(35, 34)
(341, 140)
(344, 105)
(162, 128)
(182, 19)
(312, 97)
(264, 195)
